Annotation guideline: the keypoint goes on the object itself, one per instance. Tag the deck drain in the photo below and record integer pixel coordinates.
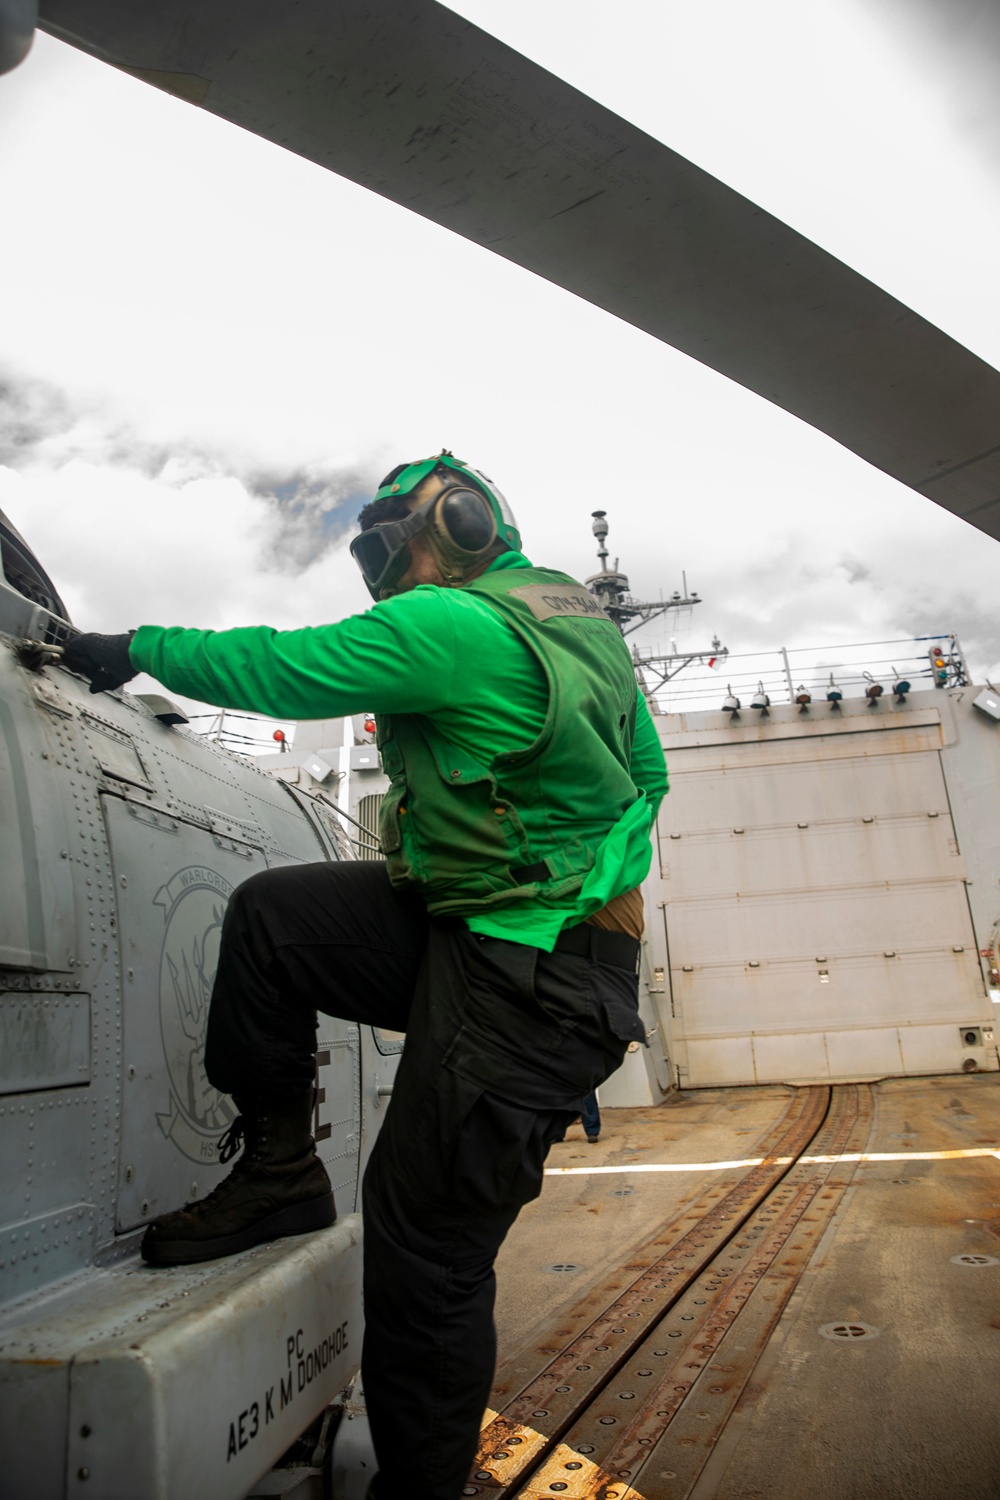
(564, 1265)
(622, 1192)
(851, 1333)
(974, 1260)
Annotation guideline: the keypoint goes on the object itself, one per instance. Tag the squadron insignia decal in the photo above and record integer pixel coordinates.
(193, 902)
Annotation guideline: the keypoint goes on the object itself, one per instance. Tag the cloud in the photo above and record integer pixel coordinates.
(130, 522)
(315, 507)
(32, 414)
(856, 571)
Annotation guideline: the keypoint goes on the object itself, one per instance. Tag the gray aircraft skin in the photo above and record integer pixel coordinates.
(124, 834)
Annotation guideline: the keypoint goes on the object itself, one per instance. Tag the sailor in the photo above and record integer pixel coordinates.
(501, 933)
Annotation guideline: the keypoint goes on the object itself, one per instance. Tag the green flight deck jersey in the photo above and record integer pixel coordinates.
(526, 771)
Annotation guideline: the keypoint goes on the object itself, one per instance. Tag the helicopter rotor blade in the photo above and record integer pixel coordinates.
(417, 104)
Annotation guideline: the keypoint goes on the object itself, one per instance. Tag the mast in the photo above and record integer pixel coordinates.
(610, 587)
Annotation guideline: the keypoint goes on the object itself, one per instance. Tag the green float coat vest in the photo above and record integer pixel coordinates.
(450, 827)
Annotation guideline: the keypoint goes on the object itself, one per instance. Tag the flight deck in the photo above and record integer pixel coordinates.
(761, 1292)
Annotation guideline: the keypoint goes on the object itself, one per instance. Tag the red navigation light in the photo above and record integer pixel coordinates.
(369, 725)
(279, 735)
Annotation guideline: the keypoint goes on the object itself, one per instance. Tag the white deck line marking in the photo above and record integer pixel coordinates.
(647, 1166)
(781, 1161)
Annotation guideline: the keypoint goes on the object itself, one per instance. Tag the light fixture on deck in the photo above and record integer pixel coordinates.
(873, 691)
(939, 666)
(900, 686)
(803, 698)
(833, 695)
(761, 701)
(731, 704)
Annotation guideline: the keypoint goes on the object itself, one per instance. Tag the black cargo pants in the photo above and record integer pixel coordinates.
(503, 1042)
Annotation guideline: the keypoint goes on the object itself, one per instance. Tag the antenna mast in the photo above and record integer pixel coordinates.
(610, 588)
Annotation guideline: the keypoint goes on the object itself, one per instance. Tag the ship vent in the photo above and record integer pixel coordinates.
(367, 833)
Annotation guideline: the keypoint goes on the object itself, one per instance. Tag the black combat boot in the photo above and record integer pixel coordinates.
(278, 1187)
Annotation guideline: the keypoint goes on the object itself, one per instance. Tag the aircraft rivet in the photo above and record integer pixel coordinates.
(83, 1473)
(85, 1430)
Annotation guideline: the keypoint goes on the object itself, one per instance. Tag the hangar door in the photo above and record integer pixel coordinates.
(813, 896)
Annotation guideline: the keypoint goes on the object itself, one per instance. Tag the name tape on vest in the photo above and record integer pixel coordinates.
(547, 601)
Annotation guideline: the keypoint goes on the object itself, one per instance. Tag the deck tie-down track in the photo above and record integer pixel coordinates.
(624, 1396)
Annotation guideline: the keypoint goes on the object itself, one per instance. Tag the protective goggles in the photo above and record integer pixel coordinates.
(383, 553)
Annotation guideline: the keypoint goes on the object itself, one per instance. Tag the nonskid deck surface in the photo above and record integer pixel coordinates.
(778, 1292)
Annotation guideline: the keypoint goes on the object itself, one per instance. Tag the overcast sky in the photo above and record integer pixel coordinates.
(199, 372)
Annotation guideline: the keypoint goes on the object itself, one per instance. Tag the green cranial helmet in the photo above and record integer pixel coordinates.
(406, 477)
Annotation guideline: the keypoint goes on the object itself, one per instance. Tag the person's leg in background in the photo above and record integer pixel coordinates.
(590, 1117)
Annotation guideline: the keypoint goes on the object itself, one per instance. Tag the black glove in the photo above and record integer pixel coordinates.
(104, 659)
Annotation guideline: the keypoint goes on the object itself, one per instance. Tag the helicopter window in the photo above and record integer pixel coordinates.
(24, 574)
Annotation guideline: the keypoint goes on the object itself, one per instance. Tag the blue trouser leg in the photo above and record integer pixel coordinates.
(590, 1115)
